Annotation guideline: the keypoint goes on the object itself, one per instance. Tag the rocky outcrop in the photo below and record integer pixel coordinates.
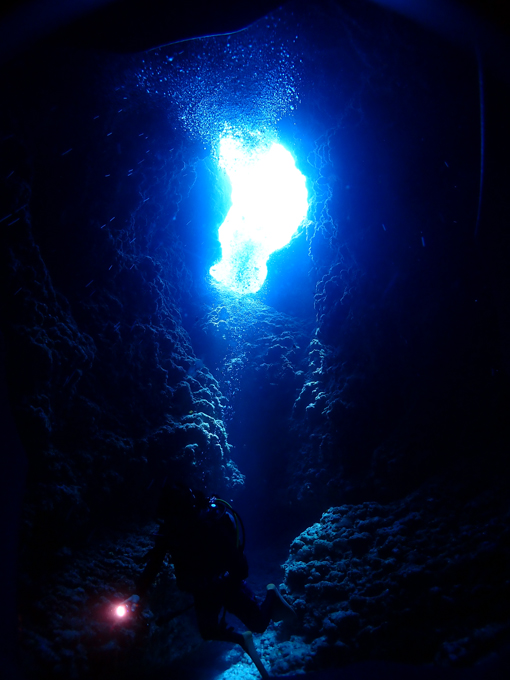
(73, 629)
(421, 580)
(109, 399)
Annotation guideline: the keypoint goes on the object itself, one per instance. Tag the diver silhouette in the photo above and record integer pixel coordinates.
(205, 539)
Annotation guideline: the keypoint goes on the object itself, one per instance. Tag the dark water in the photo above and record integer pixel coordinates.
(374, 361)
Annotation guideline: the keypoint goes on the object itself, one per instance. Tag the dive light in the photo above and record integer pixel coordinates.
(127, 607)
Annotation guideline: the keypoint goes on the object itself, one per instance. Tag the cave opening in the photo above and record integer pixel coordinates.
(269, 203)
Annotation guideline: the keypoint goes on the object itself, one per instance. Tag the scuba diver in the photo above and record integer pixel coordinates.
(205, 539)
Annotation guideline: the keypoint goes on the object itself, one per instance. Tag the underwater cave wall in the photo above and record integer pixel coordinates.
(405, 360)
(420, 580)
(108, 395)
(107, 392)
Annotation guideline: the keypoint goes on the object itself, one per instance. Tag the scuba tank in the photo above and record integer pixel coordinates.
(218, 508)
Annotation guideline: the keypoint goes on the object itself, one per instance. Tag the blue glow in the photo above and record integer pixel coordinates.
(269, 202)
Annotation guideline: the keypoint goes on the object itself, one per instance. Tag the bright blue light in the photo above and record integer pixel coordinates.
(269, 202)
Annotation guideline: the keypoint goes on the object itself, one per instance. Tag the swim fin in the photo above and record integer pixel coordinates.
(282, 611)
(249, 648)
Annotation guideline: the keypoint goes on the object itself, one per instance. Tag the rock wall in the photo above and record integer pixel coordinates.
(108, 394)
(417, 581)
(406, 366)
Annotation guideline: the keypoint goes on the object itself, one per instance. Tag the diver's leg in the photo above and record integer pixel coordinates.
(208, 608)
(280, 609)
(249, 648)
(241, 602)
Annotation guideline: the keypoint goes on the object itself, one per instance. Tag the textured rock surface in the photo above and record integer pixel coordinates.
(73, 629)
(115, 383)
(258, 355)
(108, 394)
(421, 580)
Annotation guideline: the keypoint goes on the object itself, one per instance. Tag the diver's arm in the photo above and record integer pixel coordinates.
(154, 564)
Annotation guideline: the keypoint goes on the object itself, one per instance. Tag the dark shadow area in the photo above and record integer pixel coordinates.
(354, 412)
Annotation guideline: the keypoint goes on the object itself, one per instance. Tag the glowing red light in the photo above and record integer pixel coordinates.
(121, 611)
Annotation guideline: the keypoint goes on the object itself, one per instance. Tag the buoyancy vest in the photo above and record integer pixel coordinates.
(208, 547)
